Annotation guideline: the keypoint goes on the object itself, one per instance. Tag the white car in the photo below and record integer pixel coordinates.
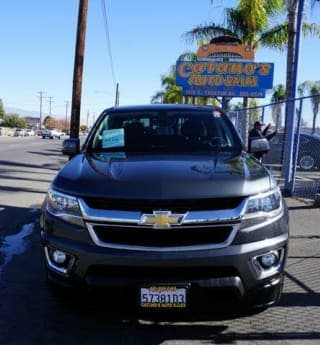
(29, 133)
(51, 133)
(19, 132)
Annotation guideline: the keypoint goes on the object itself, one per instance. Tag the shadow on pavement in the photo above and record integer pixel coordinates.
(8, 177)
(49, 166)
(47, 153)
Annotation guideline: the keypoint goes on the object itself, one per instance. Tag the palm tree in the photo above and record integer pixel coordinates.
(158, 97)
(278, 96)
(172, 93)
(313, 89)
(249, 22)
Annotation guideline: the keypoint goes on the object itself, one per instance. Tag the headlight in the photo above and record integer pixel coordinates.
(267, 204)
(64, 206)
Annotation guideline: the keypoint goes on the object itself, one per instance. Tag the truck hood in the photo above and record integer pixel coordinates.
(174, 176)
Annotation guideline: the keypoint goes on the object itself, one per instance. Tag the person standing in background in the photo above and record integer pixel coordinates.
(257, 133)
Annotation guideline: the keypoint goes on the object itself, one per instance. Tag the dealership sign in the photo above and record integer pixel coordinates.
(231, 79)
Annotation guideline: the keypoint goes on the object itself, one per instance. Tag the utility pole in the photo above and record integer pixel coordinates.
(66, 122)
(78, 69)
(40, 96)
(88, 114)
(50, 102)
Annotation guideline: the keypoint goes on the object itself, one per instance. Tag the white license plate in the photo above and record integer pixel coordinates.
(163, 297)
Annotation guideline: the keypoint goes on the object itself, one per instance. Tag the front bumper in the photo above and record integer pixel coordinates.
(229, 270)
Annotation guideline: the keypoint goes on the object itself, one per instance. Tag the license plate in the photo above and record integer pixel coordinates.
(163, 297)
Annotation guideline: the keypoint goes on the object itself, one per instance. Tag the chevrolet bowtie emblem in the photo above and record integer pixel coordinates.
(161, 219)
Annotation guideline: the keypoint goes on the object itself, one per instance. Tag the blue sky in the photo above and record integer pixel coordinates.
(37, 41)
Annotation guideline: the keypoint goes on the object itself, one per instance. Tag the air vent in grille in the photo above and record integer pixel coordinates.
(174, 205)
(172, 237)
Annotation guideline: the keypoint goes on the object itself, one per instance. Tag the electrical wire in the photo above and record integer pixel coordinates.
(106, 26)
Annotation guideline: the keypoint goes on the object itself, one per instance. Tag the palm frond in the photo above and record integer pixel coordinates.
(158, 97)
(275, 38)
(206, 32)
(274, 7)
(254, 14)
(188, 56)
(311, 29)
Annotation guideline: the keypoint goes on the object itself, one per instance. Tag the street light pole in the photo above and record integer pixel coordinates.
(78, 69)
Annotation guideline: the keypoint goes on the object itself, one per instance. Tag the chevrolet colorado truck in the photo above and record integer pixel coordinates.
(163, 200)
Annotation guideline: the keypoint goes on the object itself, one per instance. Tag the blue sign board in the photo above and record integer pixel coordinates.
(231, 79)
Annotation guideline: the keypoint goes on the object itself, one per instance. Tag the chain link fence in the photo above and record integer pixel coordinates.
(304, 149)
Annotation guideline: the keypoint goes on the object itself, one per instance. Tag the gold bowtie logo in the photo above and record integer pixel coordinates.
(161, 219)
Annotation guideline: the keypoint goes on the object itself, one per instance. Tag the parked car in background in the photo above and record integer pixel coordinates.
(51, 133)
(308, 154)
(29, 133)
(19, 132)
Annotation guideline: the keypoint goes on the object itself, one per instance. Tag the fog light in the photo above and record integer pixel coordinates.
(59, 261)
(269, 259)
(59, 257)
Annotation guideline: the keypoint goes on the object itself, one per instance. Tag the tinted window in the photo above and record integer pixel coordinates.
(165, 131)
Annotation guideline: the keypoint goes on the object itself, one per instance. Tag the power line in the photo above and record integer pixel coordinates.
(106, 26)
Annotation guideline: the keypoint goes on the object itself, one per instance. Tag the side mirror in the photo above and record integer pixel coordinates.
(259, 145)
(71, 146)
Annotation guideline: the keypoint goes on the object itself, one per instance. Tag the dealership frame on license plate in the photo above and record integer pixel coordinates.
(163, 297)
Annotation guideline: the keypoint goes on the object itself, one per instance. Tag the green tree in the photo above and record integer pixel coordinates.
(278, 95)
(48, 121)
(14, 121)
(2, 112)
(313, 89)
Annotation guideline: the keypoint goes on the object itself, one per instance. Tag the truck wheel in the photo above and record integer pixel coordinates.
(307, 161)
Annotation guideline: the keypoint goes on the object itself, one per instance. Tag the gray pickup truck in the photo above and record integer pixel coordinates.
(164, 201)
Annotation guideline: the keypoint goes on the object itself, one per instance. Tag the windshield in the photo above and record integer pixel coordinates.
(165, 131)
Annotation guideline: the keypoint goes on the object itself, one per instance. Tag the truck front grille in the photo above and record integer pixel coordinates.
(180, 236)
(174, 205)
(206, 223)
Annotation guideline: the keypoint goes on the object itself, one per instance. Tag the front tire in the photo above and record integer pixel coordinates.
(307, 161)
